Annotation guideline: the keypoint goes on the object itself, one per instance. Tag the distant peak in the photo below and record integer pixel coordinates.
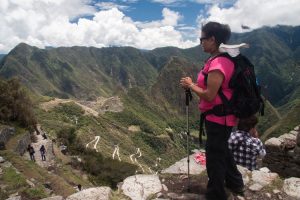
(23, 48)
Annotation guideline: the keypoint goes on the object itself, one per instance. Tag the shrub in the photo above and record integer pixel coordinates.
(15, 104)
(104, 171)
(70, 109)
(67, 135)
(34, 193)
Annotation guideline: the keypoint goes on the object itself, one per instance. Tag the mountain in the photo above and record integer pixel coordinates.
(78, 71)
(148, 81)
(142, 118)
(1, 56)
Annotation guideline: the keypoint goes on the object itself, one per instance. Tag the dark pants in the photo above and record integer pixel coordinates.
(43, 156)
(32, 157)
(221, 168)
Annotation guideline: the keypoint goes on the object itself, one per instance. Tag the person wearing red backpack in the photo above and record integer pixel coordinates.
(216, 73)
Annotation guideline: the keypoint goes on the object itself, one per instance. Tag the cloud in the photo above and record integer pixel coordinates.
(50, 23)
(184, 2)
(110, 5)
(166, 2)
(254, 13)
(214, 1)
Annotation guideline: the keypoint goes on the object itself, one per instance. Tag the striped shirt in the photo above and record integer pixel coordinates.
(245, 149)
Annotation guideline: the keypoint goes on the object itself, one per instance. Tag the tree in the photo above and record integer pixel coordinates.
(15, 104)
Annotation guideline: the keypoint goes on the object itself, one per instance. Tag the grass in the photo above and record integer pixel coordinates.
(13, 180)
(34, 193)
(116, 195)
(30, 170)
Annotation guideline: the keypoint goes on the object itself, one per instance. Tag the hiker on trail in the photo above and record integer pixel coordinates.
(44, 135)
(245, 144)
(79, 187)
(216, 73)
(43, 152)
(31, 152)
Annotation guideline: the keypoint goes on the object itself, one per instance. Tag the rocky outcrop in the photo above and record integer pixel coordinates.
(23, 143)
(292, 187)
(6, 133)
(181, 166)
(260, 184)
(283, 154)
(140, 187)
(98, 193)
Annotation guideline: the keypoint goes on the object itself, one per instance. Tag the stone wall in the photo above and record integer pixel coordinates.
(283, 154)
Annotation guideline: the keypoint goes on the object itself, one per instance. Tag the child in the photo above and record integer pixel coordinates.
(245, 144)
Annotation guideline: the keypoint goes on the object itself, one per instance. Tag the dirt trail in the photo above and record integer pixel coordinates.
(95, 141)
(100, 106)
(37, 145)
(53, 103)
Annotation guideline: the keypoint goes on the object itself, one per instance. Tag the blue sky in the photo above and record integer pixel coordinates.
(144, 24)
(150, 11)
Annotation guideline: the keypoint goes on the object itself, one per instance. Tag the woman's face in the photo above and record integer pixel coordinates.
(207, 43)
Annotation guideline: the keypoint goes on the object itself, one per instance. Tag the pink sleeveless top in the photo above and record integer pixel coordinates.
(226, 67)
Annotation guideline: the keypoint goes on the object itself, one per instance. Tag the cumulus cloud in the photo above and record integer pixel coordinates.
(110, 5)
(51, 23)
(254, 13)
(167, 1)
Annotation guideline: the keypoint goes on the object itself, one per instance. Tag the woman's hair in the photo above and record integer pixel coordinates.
(248, 123)
(221, 32)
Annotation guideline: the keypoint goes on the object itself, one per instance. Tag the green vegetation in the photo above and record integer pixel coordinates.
(30, 170)
(34, 193)
(15, 104)
(148, 84)
(13, 180)
(103, 171)
(290, 119)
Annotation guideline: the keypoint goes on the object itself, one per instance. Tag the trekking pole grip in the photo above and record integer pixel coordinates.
(188, 96)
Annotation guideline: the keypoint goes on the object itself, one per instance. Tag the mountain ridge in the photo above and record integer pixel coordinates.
(87, 72)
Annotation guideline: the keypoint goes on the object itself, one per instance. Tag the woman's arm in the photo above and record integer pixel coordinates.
(214, 82)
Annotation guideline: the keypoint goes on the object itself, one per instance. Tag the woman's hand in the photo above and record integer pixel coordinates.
(185, 82)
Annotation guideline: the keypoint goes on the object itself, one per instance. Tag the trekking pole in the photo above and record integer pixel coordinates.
(188, 98)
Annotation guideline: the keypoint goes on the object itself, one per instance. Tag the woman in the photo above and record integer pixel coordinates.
(215, 74)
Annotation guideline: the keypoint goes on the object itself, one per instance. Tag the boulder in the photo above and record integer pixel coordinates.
(288, 136)
(274, 144)
(294, 132)
(98, 193)
(245, 174)
(140, 187)
(263, 177)
(5, 134)
(2, 160)
(181, 167)
(291, 187)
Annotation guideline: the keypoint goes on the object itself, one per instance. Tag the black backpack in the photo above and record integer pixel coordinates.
(246, 99)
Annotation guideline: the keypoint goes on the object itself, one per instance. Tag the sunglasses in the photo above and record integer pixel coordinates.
(203, 38)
